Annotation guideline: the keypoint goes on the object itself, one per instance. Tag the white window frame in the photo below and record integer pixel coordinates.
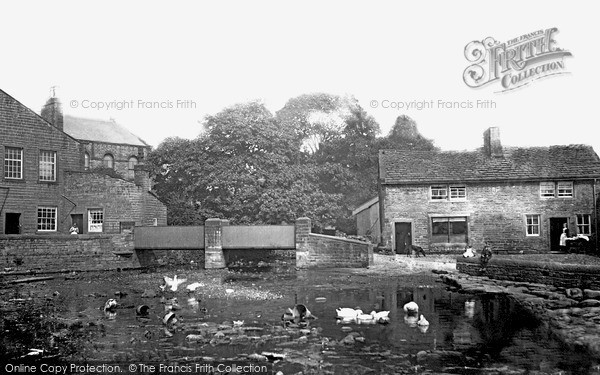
(86, 160)
(13, 163)
(564, 189)
(560, 189)
(47, 164)
(437, 197)
(584, 224)
(533, 225)
(445, 193)
(46, 218)
(459, 189)
(547, 189)
(95, 220)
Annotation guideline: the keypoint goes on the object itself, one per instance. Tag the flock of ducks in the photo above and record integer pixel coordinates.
(298, 314)
(347, 315)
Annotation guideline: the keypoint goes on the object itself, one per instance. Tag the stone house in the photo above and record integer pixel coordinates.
(108, 144)
(514, 198)
(45, 186)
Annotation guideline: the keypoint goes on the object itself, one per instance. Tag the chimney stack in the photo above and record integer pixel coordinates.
(142, 177)
(491, 142)
(52, 110)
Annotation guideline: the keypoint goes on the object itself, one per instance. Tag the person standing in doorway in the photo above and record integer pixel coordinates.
(563, 240)
(566, 229)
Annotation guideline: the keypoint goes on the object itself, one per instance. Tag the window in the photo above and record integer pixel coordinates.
(449, 230)
(561, 189)
(13, 162)
(86, 161)
(132, 162)
(565, 188)
(439, 192)
(533, 225)
(584, 224)
(458, 192)
(547, 189)
(46, 219)
(95, 220)
(47, 165)
(108, 161)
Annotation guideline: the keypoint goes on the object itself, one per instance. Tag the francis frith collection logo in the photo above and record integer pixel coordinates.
(514, 63)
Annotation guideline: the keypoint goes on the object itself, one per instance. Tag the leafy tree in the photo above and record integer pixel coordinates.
(244, 167)
(172, 165)
(315, 118)
(404, 135)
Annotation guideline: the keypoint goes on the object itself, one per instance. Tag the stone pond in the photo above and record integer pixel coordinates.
(235, 316)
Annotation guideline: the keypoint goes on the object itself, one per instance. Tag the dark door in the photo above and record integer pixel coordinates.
(403, 238)
(78, 219)
(13, 223)
(556, 227)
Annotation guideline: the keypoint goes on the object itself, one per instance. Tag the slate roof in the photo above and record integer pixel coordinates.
(517, 163)
(100, 131)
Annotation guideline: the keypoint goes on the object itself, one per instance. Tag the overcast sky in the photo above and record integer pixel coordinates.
(214, 54)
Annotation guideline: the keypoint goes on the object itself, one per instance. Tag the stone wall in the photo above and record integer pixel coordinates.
(59, 253)
(495, 213)
(321, 251)
(514, 269)
(168, 257)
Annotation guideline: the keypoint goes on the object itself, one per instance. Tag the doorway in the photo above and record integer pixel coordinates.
(556, 227)
(12, 223)
(78, 219)
(403, 237)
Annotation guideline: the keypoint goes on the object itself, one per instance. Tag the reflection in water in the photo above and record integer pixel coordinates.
(490, 329)
(470, 309)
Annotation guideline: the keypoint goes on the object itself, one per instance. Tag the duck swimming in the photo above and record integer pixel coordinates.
(110, 305)
(193, 286)
(301, 312)
(381, 317)
(173, 283)
(411, 307)
(347, 313)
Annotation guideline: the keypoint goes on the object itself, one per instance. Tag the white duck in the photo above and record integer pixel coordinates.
(193, 286)
(422, 321)
(381, 317)
(173, 283)
(364, 318)
(347, 313)
(411, 307)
